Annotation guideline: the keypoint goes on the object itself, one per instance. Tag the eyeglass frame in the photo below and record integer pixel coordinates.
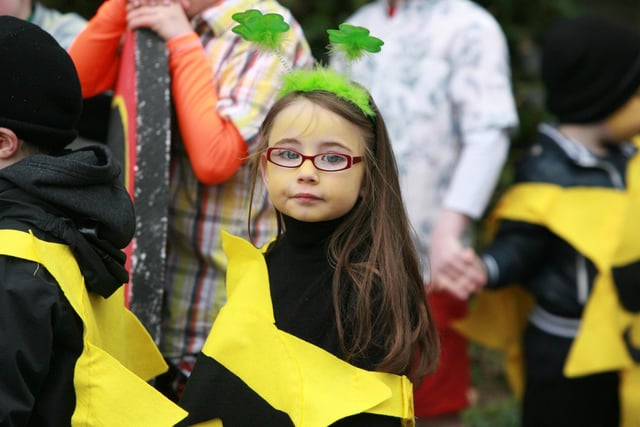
(351, 160)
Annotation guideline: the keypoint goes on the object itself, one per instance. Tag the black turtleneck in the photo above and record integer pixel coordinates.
(300, 277)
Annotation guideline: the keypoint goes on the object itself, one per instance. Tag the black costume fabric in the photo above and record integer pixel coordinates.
(300, 286)
(59, 199)
(65, 196)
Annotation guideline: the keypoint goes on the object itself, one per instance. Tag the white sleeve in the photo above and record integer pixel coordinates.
(476, 174)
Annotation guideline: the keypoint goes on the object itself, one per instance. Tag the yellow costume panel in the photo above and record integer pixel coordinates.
(118, 355)
(301, 378)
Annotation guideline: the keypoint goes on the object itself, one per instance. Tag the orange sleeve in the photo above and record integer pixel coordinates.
(213, 143)
(95, 51)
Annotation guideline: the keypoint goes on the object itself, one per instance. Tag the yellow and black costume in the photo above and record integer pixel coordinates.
(568, 232)
(71, 352)
(273, 356)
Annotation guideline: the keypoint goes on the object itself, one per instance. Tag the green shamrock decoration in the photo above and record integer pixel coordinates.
(266, 30)
(353, 41)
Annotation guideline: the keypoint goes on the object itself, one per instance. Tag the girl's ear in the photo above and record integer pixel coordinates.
(9, 143)
(263, 169)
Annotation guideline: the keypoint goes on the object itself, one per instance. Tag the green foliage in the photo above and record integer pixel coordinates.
(493, 404)
(86, 8)
(499, 413)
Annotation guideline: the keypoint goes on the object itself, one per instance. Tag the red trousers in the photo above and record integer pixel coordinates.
(446, 390)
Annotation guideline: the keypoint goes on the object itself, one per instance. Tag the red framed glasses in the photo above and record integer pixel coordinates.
(328, 162)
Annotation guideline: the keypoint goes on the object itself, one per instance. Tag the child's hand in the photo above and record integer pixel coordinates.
(166, 18)
(139, 3)
(464, 274)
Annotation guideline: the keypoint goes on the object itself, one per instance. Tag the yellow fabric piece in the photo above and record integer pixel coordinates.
(603, 225)
(118, 355)
(296, 377)
(211, 423)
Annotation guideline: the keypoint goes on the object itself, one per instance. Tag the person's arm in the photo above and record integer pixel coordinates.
(451, 264)
(213, 143)
(514, 253)
(96, 50)
(214, 146)
(477, 171)
(26, 333)
(481, 95)
(474, 179)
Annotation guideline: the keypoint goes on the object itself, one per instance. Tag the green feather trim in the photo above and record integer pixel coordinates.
(330, 81)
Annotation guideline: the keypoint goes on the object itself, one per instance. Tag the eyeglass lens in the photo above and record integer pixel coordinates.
(324, 161)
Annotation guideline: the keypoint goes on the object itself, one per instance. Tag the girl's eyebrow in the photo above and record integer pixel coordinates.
(323, 146)
(332, 145)
(287, 141)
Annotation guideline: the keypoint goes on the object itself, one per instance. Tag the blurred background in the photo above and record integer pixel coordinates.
(524, 22)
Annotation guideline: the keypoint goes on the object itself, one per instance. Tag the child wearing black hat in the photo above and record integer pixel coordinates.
(568, 232)
(71, 352)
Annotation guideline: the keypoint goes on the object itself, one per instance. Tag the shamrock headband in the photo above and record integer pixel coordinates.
(267, 30)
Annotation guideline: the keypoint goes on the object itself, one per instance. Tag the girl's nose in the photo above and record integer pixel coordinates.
(307, 172)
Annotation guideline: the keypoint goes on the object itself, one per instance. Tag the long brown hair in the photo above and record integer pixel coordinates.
(373, 249)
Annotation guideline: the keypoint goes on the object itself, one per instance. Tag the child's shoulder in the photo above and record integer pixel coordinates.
(545, 162)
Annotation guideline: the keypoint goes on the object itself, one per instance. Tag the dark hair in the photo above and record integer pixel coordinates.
(373, 249)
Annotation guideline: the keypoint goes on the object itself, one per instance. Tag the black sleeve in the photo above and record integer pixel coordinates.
(368, 420)
(213, 391)
(515, 252)
(28, 299)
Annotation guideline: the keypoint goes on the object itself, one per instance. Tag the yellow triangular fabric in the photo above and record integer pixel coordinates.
(118, 355)
(297, 378)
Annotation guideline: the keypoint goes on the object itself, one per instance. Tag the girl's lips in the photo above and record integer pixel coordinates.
(306, 197)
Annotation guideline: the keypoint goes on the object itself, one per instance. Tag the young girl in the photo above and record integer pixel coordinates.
(323, 326)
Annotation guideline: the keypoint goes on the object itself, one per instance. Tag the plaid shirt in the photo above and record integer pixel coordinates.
(247, 84)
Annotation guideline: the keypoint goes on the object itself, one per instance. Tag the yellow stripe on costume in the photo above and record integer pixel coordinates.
(211, 423)
(602, 224)
(118, 354)
(296, 377)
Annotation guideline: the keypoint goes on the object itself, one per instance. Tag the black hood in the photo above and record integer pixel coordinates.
(77, 198)
(85, 184)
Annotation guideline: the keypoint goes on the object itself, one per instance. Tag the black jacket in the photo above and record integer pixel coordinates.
(560, 278)
(549, 267)
(75, 198)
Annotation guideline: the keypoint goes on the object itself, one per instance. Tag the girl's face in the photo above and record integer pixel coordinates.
(305, 192)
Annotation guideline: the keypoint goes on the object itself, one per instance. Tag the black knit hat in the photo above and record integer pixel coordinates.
(590, 68)
(40, 96)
